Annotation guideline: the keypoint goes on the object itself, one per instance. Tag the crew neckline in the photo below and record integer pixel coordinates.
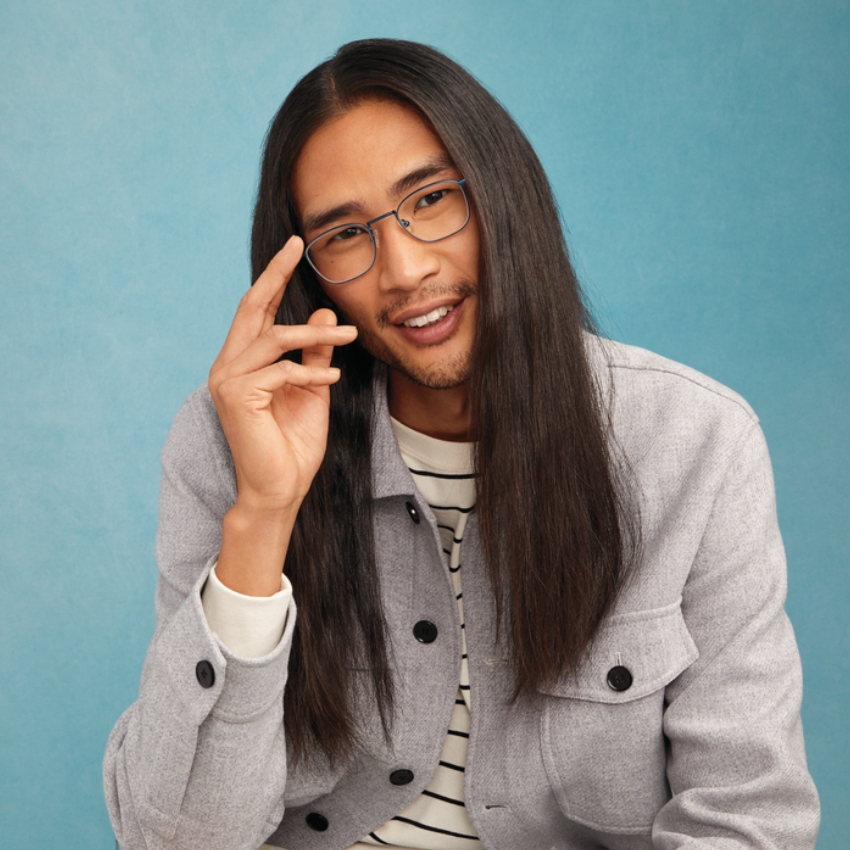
(445, 455)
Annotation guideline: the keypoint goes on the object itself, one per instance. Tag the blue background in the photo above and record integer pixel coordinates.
(700, 155)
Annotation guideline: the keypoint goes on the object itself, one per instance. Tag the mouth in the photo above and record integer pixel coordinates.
(429, 318)
(434, 326)
(435, 303)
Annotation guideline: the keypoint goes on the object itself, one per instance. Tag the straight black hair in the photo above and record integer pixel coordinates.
(556, 535)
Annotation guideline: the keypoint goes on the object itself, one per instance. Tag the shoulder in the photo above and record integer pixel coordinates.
(678, 436)
(693, 463)
(635, 370)
(650, 395)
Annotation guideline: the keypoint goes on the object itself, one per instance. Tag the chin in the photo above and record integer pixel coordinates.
(445, 374)
(440, 376)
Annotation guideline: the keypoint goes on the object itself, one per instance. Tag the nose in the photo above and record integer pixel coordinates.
(402, 262)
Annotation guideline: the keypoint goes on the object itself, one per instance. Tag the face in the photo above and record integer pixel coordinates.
(415, 309)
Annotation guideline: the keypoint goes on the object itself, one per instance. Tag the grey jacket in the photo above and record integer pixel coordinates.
(703, 749)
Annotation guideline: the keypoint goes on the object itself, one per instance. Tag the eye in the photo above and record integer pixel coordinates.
(431, 198)
(346, 233)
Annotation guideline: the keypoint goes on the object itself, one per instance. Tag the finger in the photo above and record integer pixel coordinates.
(280, 339)
(267, 292)
(282, 374)
(321, 353)
(258, 307)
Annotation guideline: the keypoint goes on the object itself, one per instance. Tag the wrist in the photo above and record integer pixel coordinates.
(253, 548)
(262, 506)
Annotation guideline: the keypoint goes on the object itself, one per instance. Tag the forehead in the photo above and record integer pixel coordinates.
(359, 157)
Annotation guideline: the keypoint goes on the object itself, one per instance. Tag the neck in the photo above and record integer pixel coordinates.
(442, 414)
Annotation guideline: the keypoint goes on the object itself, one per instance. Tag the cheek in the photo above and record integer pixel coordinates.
(335, 296)
(349, 309)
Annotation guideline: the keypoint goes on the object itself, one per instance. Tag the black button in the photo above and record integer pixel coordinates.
(619, 678)
(317, 822)
(425, 631)
(401, 777)
(411, 509)
(205, 674)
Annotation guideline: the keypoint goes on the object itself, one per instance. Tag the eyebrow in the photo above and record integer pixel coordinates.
(320, 220)
(430, 168)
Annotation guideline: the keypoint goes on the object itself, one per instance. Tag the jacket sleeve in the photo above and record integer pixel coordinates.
(736, 761)
(199, 759)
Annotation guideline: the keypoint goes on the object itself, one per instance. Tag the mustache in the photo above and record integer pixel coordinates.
(463, 289)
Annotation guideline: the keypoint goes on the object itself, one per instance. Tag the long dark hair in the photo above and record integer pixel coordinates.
(556, 538)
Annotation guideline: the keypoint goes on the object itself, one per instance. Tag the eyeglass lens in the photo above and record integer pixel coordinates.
(429, 214)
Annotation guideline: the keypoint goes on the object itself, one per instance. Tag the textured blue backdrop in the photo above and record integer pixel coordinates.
(699, 152)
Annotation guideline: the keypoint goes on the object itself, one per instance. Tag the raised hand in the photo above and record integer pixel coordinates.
(275, 416)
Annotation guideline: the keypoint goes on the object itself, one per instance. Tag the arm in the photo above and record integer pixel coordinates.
(199, 760)
(275, 415)
(736, 761)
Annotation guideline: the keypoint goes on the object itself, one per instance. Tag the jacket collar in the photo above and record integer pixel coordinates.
(390, 476)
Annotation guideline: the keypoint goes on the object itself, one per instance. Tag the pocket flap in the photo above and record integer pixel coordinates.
(633, 654)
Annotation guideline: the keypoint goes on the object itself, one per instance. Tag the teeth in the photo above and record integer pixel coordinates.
(428, 318)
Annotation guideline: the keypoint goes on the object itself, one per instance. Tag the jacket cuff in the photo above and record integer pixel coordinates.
(207, 677)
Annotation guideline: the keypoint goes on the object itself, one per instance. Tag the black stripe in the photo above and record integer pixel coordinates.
(460, 701)
(379, 840)
(435, 829)
(458, 767)
(453, 569)
(457, 540)
(457, 734)
(463, 476)
(459, 596)
(457, 508)
(464, 687)
(427, 793)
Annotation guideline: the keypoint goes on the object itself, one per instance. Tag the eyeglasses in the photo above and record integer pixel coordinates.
(430, 214)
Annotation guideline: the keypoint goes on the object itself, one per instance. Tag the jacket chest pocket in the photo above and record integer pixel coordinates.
(602, 738)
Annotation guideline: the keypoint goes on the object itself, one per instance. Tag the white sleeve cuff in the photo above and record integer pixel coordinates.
(249, 626)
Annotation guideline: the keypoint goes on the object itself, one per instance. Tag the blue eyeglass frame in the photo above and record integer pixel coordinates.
(401, 223)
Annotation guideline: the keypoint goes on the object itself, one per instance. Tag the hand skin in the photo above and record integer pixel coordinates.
(275, 416)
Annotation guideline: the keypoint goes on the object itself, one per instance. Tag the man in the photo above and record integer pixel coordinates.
(538, 575)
